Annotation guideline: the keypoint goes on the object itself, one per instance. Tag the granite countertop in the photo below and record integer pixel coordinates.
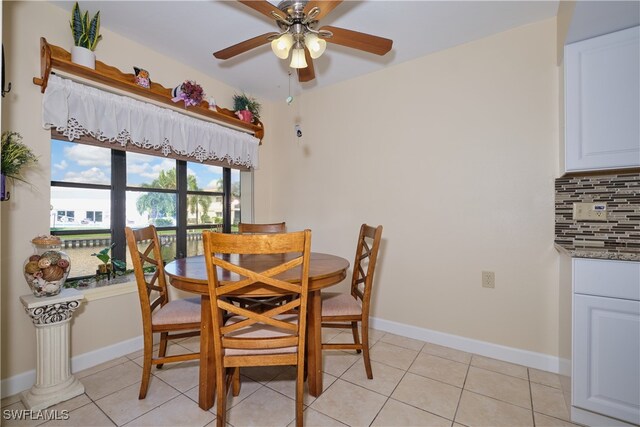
(620, 253)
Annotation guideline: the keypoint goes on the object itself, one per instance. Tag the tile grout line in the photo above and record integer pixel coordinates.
(388, 398)
(406, 371)
(533, 415)
(466, 375)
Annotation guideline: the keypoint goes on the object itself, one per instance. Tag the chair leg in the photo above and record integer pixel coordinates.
(365, 350)
(221, 390)
(299, 396)
(236, 381)
(356, 334)
(162, 351)
(146, 368)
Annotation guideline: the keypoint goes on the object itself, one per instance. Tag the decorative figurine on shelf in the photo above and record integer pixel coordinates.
(190, 92)
(212, 104)
(142, 77)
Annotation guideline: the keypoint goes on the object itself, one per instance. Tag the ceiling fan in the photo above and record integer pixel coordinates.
(299, 34)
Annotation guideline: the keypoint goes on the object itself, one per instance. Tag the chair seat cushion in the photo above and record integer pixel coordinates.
(336, 304)
(178, 311)
(258, 330)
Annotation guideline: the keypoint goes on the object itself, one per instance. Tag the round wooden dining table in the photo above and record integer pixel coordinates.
(190, 274)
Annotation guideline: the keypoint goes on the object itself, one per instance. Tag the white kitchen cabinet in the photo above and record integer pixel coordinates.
(602, 102)
(606, 338)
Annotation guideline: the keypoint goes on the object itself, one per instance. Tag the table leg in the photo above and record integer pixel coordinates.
(314, 343)
(207, 357)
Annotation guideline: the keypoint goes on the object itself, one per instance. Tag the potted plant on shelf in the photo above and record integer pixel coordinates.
(246, 108)
(86, 35)
(15, 156)
(109, 264)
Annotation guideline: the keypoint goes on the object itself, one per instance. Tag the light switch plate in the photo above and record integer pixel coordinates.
(590, 211)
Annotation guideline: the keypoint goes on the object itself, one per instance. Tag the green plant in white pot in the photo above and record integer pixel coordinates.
(86, 35)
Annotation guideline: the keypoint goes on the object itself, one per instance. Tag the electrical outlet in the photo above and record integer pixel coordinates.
(590, 211)
(488, 279)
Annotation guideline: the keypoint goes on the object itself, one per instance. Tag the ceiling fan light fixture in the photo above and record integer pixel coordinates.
(315, 44)
(297, 58)
(282, 45)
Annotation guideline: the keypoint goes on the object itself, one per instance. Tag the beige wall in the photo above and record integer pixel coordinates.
(98, 323)
(455, 154)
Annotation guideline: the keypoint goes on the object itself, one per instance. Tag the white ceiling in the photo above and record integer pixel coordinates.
(595, 18)
(190, 31)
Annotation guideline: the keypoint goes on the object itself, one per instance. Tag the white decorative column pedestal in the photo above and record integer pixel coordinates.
(51, 317)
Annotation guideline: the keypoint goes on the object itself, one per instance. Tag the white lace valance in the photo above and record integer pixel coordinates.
(77, 110)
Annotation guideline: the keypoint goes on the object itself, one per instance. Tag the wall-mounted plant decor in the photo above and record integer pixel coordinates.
(15, 157)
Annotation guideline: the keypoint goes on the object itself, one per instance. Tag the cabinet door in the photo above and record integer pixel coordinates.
(602, 102)
(606, 358)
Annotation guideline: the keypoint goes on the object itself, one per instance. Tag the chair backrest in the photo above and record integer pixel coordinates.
(145, 250)
(288, 251)
(364, 265)
(278, 227)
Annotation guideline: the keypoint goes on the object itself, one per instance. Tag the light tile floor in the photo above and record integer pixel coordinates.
(414, 384)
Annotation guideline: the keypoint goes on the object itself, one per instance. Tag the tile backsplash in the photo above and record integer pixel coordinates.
(621, 192)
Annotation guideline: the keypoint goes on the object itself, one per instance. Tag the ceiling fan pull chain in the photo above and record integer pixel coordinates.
(289, 98)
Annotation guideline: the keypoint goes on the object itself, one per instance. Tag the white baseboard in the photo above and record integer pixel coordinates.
(565, 367)
(25, 380)
(595, 420)
(545, 362)
(104, 354)
(531, 359)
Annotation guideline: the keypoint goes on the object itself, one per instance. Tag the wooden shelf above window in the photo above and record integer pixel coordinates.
(55, 58)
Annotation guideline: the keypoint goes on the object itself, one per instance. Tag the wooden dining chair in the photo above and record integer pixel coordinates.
(254, 337)
(278, 227)
(172, 319)
(341, 310)
(245, 228)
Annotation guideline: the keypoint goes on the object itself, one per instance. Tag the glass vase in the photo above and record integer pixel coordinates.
(47, 269)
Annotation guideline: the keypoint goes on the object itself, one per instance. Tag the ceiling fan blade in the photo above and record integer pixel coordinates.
(360, 41)
(242, 47)
(262, 6)
(307, 74)
(325, 7)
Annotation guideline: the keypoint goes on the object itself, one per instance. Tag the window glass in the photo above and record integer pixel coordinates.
(80, 222)
(204, 177)
(203, 209)
(194, 239)
(144, 208)
(80, 163)
(82, 188)
(75, 208)
(235, 199)
(150, 171)
(167, 243)
(80, 248)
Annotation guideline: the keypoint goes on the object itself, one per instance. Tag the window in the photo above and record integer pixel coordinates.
(66, 216)
(97, 191)
(92, 216)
